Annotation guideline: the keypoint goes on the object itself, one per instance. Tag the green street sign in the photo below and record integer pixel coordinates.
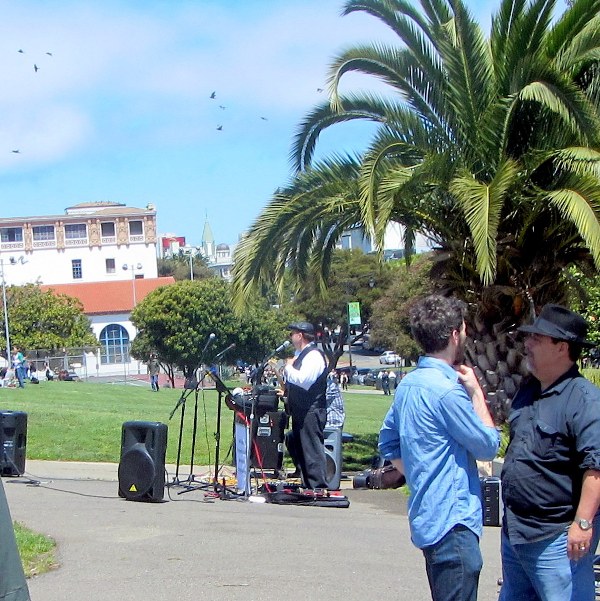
(354, 314)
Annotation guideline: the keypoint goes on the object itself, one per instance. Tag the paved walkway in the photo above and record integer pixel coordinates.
(196, 548)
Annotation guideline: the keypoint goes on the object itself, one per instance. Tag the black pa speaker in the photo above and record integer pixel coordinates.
(13, 441)
(491, 501)
(267, 440)
(332, 439)
(142, 465)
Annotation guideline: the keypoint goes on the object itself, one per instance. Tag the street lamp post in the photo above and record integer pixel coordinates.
(133, 268)
(13, 261)
(6, 329)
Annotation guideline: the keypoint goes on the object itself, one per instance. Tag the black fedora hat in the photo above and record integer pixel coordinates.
(302, 326)
(560, 323)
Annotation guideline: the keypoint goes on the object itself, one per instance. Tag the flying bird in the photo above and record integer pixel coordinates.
(219, 128)
(222, 107)
(213, 95)
(319, 90)
(21, 51)
(16, 151)
(264, 118)
(49, 53)
(36, 68)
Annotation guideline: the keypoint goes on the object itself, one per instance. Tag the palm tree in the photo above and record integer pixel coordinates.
(489, 145)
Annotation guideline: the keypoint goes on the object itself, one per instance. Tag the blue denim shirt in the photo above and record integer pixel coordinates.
(434, 429)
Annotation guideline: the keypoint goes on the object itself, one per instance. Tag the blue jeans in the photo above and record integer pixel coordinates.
(20, 373)
(453, 565)
(542, 571)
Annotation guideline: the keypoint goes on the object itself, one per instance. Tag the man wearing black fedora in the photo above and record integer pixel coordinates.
(551, 473)
(306, 381)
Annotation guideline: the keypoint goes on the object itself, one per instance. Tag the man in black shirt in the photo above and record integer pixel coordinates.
(551, 474)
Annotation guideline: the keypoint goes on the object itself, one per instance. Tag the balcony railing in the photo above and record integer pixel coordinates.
(12, 245)
(44, 243)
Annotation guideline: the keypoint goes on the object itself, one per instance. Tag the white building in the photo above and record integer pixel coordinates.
(218, 257)
(102, 253)
(393, 241)
(108, 305)
(91, 242)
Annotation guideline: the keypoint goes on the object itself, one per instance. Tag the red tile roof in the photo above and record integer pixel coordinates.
(100, 298)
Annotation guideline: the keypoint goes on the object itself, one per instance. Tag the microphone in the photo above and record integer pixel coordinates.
(211, 337)
(219, 355)
(278, 350)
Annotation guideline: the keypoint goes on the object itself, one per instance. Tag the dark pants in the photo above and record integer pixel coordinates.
(305, 443)
(13, 586)
(453, 565)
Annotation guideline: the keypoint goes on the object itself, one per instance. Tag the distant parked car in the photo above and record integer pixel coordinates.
(389, 358)
(370, 379)
(360, 374)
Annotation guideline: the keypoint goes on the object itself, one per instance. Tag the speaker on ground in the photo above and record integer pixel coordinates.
(333, 454)
(267, 441)
(13, 442)
(142, 465)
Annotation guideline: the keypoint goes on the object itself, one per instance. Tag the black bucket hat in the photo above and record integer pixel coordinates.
(560, 323)
(302, 326)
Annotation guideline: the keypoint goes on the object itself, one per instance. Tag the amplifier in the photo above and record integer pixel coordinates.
(491, 501)
(267, 445)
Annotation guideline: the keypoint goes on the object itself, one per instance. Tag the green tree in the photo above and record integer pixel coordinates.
(44, 320)
(178, 266)
(390, 324)
(488, 145)
(585, 299)
(176, 321)
(354, 277)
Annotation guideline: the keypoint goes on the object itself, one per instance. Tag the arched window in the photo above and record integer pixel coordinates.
(114, 342)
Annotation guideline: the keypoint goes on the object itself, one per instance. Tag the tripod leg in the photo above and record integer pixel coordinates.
(181, 419)
(191, 476)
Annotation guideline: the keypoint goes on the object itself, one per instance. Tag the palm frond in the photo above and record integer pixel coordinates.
(482, 206)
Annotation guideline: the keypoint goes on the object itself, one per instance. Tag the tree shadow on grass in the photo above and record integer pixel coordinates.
(361, 452)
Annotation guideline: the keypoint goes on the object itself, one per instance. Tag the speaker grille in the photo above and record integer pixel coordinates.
(142, 465)
(136, 472)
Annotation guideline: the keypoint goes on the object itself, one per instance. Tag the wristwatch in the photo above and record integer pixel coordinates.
(583, 523)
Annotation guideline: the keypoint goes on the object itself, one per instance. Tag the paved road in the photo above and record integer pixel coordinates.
(190, 548)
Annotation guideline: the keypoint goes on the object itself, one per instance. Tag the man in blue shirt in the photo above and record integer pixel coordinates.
(436, 428)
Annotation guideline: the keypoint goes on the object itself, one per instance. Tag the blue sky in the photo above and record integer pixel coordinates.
(121, 109)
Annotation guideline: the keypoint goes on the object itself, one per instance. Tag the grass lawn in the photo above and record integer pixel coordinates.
(36, 550)
(81, 421)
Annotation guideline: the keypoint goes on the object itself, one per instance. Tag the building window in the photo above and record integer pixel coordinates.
(136, 228)
(11, 234)
(114, 344)
(75, 231)
(108, 229)
(43, 232)
(76, 267)
(110, 266)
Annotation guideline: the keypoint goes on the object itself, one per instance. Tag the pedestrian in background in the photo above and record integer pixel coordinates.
(154, 370)
(18, 361)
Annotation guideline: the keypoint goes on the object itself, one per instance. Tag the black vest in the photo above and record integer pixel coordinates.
(297, 396)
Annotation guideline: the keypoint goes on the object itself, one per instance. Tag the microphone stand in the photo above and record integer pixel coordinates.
(191, 384)
(222, 391)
